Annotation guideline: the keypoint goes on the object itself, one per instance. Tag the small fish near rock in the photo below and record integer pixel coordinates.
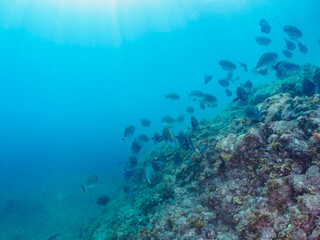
(180, 119)
(103, 200)
(248, 86)
(265, 62)
(173, 96)
(289, 45)
(287, 53)
(253, 113)
(263, 41)
(265, 27)
(167, 135)
(194, 123)
(227, 65)
(286, 69)
(90, 182)
(308, 87)
(292, 31)
(207, 79)
(136, 146)
(143, 138)
(242, 95)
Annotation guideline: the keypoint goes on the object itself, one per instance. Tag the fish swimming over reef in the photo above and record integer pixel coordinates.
(302, 48)
(143, 138)
(227, 65)
(308, 87)
(263, 41)
(194, 123)
(207, 79)
(265, 27)
(173, 96)
(129, 131)
(286, 69)
(287, 53)
(190, 110)
(253, 113)
(265, 62)
(180, 119)
(90, 182)
(167, 135)
(248, 86)
(196, 95)
(292, 31)
(228, 93)
(289, 45)
(168, 121)
(241, 95)
(209, 100)
(136, 146)
(149, 173)
(145, 122)
(224, 83)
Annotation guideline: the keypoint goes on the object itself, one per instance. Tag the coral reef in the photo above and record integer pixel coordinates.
(247, 180)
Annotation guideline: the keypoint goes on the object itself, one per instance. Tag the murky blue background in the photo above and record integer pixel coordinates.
(74, 74)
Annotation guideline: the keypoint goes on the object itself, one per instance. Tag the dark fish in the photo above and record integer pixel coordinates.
(132, 162)
(157, 138)
(228, 92)
(129, 131)
(265, 62)
(207, 78)
(227, 65)
(209, 100)
(136, 146)
(308, 87)
(263, 41)
(167, 135)
(224, 83)
(202, 106)
(181, 138)
(318, 41)
(194, 123)
(168, 121)
(302, 48)
(286, 69)
(287, 53)
(248, 86)
(292, 31)
(56, 237)
(145, 122)
(190, 110)
(103, 200)
(253, 113)
(241, 95)
(80, 233)
(143, 138)
(90, 182)
(180, 118)
(290, 45)
(196, 95)
(316, 76)
(173, 96)
(265, 27)
(244, 66)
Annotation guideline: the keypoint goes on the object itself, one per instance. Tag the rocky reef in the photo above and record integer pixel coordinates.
(246, 180)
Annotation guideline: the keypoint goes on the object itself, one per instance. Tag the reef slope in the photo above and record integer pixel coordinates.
(246, 181)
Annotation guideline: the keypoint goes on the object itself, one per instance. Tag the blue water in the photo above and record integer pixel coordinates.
(74, 74)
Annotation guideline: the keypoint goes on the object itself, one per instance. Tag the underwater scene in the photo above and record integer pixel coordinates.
(159, 120)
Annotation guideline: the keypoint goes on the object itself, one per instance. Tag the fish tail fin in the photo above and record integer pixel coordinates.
(82, 188)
